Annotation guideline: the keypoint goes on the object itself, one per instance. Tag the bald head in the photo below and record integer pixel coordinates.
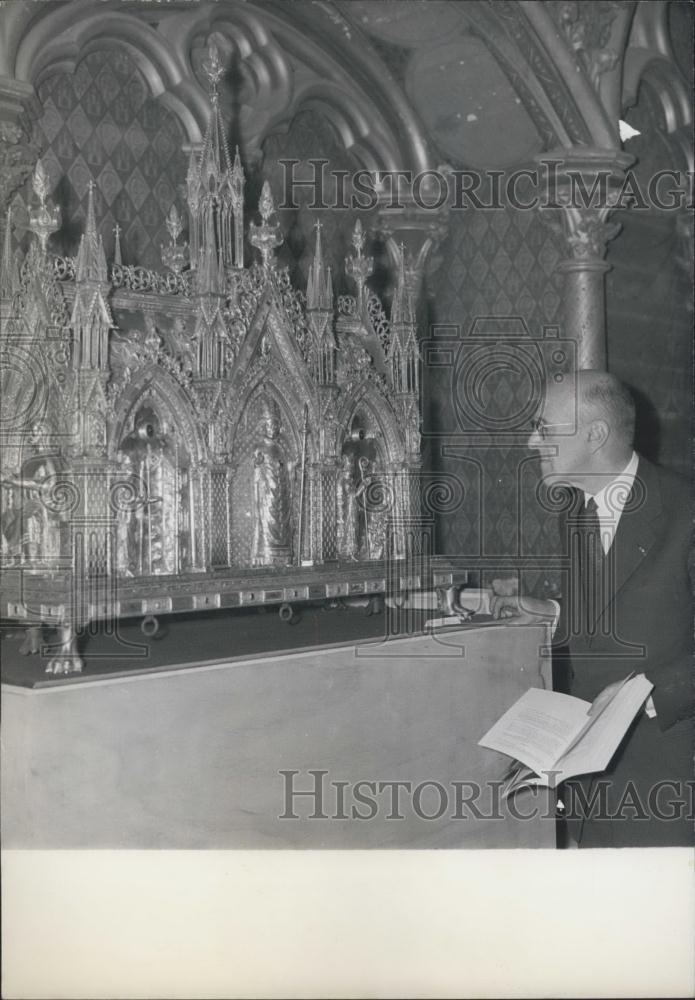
(585, 434)
(601, 396)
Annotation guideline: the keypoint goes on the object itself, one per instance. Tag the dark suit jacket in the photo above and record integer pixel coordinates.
(644, 623)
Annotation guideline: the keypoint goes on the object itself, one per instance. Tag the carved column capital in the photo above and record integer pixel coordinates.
(587, 233)
(18, 152)
(583, 188)
(420, 231)
(17, 98)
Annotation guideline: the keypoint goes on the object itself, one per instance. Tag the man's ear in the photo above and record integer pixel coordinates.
(598, 433)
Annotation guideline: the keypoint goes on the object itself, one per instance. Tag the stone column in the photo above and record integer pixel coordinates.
(580, 194)
(412, 234)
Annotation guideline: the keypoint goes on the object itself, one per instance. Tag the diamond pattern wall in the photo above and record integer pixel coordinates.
(310, 137)
(100, 123)
(498, 263)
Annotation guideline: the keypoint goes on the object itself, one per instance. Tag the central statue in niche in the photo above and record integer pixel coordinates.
(273, 472)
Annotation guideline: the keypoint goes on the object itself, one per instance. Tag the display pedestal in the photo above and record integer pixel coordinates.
(209, 756)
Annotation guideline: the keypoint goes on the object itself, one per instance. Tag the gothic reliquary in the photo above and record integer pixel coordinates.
(205, 437)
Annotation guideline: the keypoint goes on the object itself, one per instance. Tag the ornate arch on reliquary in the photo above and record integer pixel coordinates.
(369, 399)
(248, 365)
(269, 380)
(282, 373)
(155, 386)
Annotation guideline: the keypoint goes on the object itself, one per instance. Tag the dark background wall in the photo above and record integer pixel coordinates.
(649, 298)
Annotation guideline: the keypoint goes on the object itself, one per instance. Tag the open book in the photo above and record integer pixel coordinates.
(552, 736)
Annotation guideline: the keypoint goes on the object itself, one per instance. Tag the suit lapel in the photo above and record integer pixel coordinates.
(635, 534)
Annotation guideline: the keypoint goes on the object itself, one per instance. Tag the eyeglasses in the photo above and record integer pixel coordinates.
(539, 427)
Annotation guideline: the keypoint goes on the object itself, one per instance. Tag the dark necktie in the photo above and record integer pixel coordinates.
(591, 561)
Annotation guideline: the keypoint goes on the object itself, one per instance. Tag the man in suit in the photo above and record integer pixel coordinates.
(626, 606)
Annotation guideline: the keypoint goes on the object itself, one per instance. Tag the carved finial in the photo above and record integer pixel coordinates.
(266, 205)
(44, 220)
(212, 67)
(39, 182)
(173, 223)
(117, 259)
(266, 237)
(358, 238)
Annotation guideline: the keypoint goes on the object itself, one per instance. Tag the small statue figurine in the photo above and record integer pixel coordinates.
(150, 455)
(28, 532)
(123, 517)
(10, 524)
(372, 496)
(272, 472)
(347, 531)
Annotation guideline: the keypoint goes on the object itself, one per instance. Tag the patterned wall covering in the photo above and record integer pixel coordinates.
(497, 263)
(101, 123)
(650, 345)
(310, 137)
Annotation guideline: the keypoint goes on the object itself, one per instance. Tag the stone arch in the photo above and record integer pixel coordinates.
(270, 41)
(57, 39)
(650, 57)
(369, 107)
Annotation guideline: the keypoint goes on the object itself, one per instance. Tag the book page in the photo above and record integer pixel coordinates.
(520, 777)
(594, 751)
(598, 707)
(538, 728)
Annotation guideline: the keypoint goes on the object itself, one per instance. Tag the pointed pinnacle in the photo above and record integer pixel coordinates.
(117, 259)
(91, 226)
